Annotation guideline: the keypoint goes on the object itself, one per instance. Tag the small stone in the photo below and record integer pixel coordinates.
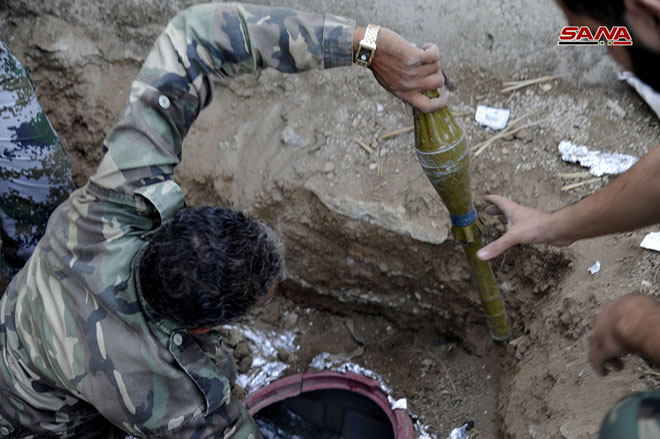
(427, 364)
(290, 320)
(290, 138)
(525, 135)
(373, 166)
(521, 344)
(578, 429)
(235, 337)
(379, 108)
(532, 433)
(383, 152)
(546, 87)
(238, 392)
(241, 350)
(245, 364)
(283, 355)
(328, 167)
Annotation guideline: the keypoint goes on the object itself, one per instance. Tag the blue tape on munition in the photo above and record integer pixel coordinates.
(464, 220)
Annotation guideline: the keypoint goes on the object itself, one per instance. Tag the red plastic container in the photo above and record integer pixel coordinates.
(295, 385)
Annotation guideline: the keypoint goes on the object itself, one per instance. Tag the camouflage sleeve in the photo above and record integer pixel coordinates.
(35, 176)
(204, 44)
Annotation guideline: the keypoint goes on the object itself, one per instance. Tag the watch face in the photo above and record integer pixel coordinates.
(364, 54)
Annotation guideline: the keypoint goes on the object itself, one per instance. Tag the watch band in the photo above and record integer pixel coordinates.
(371, 35)
(367, 46)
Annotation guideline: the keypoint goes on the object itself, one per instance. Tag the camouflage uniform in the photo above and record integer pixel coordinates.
(80, 346)
(34, 172)
(635, 417)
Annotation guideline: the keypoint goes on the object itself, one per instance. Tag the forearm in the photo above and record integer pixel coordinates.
(201, 46)
(629, 202)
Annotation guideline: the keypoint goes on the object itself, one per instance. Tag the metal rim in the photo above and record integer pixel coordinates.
(294, 385)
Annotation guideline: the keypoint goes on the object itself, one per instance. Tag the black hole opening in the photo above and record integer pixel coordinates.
(325, 414)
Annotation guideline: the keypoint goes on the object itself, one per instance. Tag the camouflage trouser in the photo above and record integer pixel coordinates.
(35, 175)
(635, 417)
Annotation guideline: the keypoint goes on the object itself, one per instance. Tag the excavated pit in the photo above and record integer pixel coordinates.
(420, 318)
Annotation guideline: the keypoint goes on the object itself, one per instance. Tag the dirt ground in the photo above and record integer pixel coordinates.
(366, 236)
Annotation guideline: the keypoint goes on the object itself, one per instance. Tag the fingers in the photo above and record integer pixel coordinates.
(606, 366)
(425, 104)
(424, 71)
(431, 82)
(497, 247)
(493, 210)
(503, 208)
(497, 208)
(430, 54)
(616, 363)
(502, 203)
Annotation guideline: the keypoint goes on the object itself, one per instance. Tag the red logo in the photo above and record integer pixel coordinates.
(582, 36)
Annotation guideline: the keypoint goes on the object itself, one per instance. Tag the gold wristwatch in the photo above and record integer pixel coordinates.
(367, 47)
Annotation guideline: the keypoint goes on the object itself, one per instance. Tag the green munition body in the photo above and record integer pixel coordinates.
(444, 155)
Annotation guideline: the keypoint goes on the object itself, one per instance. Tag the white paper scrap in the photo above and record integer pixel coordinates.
(594, 268)
(599, 163)
(651, 241)
(495, 118)
(400, 404)
(460, 432)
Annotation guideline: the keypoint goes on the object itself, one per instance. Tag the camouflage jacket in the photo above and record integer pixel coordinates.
(80, 347)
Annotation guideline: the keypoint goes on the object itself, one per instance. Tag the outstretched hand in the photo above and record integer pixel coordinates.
(406, 71)
(525, 226)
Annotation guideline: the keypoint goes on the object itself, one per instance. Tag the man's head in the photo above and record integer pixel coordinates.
(208, 266)
(642, 17)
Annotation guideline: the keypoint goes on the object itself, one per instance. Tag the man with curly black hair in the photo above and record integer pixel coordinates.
(110, 325)
(193, 260)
